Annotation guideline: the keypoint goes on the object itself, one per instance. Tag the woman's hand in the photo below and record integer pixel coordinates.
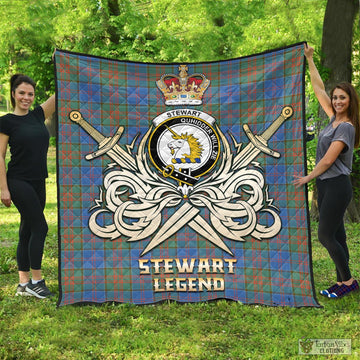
(308, 51)
(6, 198)
(300, 180)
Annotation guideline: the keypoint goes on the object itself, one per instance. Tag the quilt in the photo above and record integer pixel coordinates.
(175, 180)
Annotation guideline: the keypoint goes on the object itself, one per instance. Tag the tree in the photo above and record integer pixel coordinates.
(337, 39)
(25, 42)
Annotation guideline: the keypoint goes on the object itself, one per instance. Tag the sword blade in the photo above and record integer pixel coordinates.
(179, 219)
(199, 224)
(186, 215)
(122, 158)
(244, 158)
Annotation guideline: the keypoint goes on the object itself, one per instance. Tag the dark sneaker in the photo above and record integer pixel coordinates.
(20, 291)
(330, 290)
(39, 290)
(344, 290)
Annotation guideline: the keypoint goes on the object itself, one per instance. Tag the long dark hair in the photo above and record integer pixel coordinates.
(15, 81)
(353, 110)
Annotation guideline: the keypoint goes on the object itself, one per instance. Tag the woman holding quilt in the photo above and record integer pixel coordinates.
(333, 166)
(23, 183)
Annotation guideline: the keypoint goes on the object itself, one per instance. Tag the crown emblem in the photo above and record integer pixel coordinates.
(183, 89)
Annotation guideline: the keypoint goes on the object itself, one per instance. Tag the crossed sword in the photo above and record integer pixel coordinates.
(186, 214)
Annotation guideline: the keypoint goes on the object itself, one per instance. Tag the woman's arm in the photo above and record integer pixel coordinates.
(49, 106)
(4, 190)
(317, 82)
(329, 158)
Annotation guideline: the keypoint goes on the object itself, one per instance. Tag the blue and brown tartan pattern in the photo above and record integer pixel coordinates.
(253, 90)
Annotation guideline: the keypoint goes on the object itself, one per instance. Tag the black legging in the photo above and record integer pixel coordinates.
(29, 198)
(334, 195)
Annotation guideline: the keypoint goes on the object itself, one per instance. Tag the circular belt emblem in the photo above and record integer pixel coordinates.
(184, 147)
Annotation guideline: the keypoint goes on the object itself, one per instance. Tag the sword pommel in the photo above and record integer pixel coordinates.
(287, 112)
(75, 116)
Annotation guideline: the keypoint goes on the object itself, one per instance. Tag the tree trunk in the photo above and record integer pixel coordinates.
(336, 57)
(114, 10)
(337, 40)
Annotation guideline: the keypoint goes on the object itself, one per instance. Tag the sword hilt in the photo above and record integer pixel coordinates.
(286, 113)
(106, 145)
(260, 141)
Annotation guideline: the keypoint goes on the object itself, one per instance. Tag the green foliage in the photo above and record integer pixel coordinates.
(140, 30)
(25, 42)
(52, 141)
(284, 23)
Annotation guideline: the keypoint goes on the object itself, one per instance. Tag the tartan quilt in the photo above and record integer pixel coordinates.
(175, 180)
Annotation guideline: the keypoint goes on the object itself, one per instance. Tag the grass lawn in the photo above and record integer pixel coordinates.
(37, 329)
